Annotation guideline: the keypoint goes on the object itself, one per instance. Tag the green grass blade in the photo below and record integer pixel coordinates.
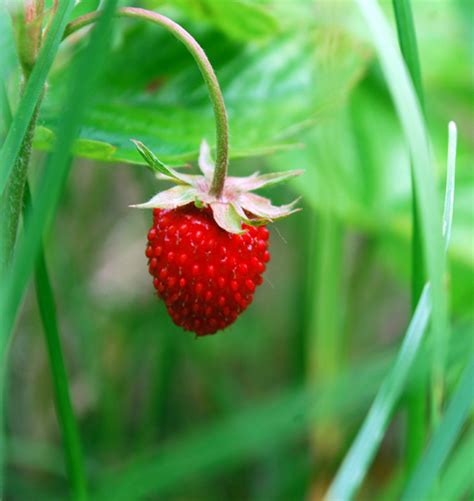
(408, 45)
(33, 90)
(450, 183)
(458, 478)
(13, 286)
(411, 118)
(416, 397)
(5, 117)
(65, 413)
(57, 168)
(444, 438)
(358, 459)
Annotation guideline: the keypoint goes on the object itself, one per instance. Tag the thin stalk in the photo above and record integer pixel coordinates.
(215, 93)
(416, 395)
(64, 409)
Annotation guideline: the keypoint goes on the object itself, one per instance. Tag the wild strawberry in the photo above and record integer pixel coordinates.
(206, 253)
(205, 275)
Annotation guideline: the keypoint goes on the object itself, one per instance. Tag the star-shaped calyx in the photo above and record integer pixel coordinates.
(237, 205)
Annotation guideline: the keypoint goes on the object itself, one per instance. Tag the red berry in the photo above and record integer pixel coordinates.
(205, 275)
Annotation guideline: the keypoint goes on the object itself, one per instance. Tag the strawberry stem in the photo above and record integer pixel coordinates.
(215, 93)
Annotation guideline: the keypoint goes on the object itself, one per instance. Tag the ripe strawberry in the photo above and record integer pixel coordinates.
(205, 275)
(207, 253)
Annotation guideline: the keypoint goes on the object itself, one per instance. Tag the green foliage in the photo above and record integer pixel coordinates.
(241, 20)
(33, 91)
(266, 410)
(162, 101)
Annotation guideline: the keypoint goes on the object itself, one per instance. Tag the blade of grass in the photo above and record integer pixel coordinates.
(411, 119)
(450, 183)
(460, 405)
(33, 90)
(85, 71)
(408, 45)
(65, 413)
(6, 116)
(458, 478)
(416, 397)
(12, 289)
(357, 461)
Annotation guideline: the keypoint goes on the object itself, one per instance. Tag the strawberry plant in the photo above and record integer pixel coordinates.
(342, 332)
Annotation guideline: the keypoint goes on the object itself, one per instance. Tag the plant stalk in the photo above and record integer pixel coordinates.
(64, 409)
(12, 198)
(207, 71)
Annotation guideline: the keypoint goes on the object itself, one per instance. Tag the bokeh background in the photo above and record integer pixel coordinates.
(229, 416)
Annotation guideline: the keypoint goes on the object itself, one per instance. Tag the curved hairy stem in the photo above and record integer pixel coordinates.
(215, 93)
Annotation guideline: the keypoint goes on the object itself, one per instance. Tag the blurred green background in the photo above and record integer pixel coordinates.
(227, 415)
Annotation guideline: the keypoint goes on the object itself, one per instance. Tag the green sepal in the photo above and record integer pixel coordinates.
(157, 166)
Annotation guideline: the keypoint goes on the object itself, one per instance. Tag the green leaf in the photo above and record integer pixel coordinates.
(239, 19)
(44, 139)
(161, 100)
(157, 165)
